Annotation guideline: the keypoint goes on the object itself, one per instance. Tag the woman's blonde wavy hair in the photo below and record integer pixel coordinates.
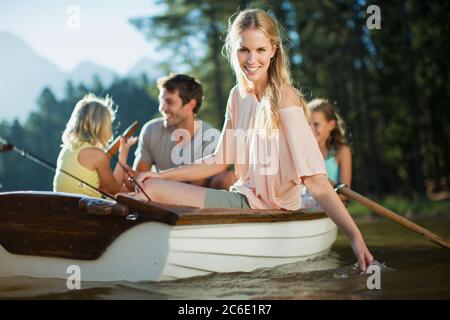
(91, 121)
(278, 73)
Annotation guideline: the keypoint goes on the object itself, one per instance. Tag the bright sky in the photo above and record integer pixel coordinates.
(105, 36)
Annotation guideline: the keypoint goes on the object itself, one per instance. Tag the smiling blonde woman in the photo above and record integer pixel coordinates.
(271, 112)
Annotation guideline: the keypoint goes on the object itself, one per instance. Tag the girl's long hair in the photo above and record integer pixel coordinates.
(91, 121)
(279, 76)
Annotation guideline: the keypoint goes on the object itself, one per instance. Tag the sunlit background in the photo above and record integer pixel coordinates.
(44, 35)
(390, 84)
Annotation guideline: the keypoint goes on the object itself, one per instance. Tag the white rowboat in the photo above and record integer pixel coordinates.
(43, 233)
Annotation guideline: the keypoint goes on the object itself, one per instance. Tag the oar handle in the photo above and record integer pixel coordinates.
(375, 207)
(115, 145)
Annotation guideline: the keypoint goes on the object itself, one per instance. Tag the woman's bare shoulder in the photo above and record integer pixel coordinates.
(290, 98)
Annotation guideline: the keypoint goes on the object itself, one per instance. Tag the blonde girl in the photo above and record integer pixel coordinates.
(265, 135)
(85, 139)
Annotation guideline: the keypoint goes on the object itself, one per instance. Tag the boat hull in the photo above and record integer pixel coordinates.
(159, 243)
(201, 250)
(154, 251)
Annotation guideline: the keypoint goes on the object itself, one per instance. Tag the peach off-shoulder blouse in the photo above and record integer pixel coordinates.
(269, 168)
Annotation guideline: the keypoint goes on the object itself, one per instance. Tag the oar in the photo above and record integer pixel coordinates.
(114, 146)
(375, 207)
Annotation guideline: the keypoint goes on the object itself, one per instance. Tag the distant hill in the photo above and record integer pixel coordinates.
(24, 74)
(85, 71)
(147, 67)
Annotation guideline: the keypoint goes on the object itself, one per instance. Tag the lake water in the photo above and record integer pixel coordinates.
(411, 268)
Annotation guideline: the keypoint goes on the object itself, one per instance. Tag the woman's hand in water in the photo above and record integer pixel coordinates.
(363, 254)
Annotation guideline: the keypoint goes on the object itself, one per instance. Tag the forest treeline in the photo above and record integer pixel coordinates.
(391, 85)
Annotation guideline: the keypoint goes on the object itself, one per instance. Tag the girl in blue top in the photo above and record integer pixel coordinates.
(329, 129)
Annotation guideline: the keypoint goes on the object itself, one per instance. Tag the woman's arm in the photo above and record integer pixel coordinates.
(322, 191)
(317, 184)
(203, 168)
(190, 172)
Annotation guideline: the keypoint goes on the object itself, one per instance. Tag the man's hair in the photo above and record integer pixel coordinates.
(188, 88)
